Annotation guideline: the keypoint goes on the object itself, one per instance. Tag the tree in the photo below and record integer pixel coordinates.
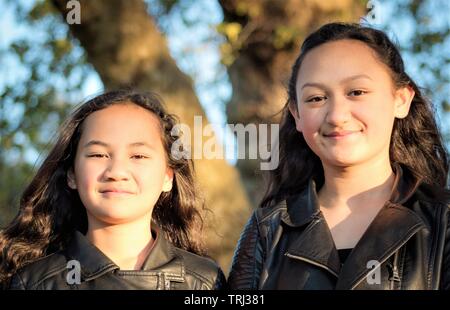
(263, 39)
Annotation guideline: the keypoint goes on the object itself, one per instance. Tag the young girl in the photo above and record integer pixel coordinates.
(110, 207)
(358, 200)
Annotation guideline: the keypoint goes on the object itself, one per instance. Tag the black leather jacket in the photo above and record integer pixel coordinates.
(166, 268)
(290, 245)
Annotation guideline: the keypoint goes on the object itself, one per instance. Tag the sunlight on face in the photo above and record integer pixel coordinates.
(347, 103)
(120, 165)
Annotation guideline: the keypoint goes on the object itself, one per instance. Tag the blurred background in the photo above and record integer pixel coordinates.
(225, 60)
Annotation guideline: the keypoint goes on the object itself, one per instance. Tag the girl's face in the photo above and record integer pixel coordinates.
(120, 165)
(347, 103)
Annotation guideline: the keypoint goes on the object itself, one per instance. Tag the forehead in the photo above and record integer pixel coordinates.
(339, 59)
(121, 122)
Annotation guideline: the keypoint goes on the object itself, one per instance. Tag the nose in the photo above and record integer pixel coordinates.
(116, 171)
(339, 111)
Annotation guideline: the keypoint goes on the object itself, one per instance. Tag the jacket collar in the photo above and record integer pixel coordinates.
(405, 185)
(95, 263)
(391, 228)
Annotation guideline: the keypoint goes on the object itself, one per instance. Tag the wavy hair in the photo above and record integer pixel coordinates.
(415, 142)
(49, 211)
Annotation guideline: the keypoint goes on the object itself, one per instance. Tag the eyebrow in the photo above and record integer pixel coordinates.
(350, 78)
(101, 143)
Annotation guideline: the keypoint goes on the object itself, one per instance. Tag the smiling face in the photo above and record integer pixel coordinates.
(120, 165)
(347, 103)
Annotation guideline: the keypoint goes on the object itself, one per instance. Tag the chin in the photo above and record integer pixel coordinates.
(342, 161)
(116, 217)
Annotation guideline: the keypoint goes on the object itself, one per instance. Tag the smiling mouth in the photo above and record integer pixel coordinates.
(115, 192)
(340, 134)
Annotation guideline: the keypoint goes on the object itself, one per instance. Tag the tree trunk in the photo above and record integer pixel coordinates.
(126, 48)
(260, 57)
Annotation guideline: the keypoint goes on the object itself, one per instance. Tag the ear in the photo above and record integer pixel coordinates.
(293, 109)
(168, 180)
(403, 99)
(71, 179)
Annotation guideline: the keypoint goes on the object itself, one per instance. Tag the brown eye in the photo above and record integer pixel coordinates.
(316, 99)
(357, 92)
(139, 156)
(97, 155)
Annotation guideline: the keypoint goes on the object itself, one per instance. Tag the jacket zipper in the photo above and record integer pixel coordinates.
(312, 262)
(394, 274)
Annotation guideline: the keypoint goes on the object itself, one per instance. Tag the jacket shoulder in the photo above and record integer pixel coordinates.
(433, 194)
(203, 269)
(266, 213)
(32, 275)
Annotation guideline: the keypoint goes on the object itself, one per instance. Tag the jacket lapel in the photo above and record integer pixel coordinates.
(392, 228)
(314, 244)
(92, 261)
(163, 259)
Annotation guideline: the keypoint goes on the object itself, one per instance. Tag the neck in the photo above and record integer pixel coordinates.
(126, 244)
(366, 184)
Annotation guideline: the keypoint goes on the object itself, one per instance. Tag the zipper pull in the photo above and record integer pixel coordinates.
(394, 273)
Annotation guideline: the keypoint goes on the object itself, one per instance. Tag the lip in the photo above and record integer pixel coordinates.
(115, 191)
(341, 134)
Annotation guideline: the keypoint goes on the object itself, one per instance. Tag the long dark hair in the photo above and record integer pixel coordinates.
(416, 141)
(50, 211)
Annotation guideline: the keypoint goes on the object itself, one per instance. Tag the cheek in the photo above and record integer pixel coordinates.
(150, 177)
(380, 110)
(87, 174)
(377, 121)
(309, 122)
(381, 129)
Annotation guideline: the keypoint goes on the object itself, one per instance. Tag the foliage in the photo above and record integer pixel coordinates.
(50, 70)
